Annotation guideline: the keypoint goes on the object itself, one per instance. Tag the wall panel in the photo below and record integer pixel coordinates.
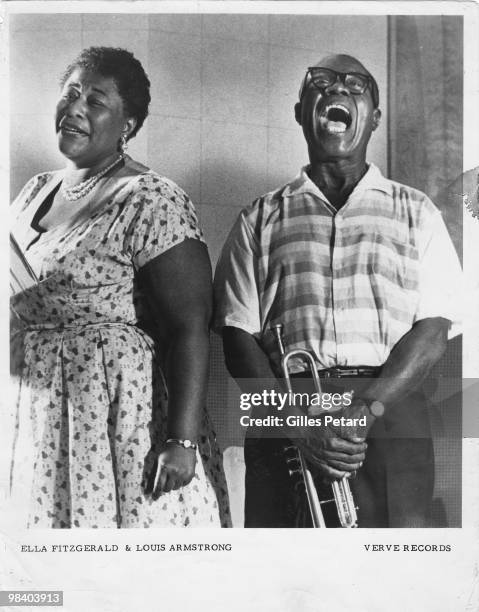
(426, 152)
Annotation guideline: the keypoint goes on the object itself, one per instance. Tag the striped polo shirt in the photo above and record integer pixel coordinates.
(347, 284)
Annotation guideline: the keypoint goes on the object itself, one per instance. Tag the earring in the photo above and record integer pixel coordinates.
(123, 143)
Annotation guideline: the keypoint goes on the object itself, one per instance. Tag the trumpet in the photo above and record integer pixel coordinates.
(341, 491)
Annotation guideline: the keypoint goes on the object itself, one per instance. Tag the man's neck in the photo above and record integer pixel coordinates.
(337, 179)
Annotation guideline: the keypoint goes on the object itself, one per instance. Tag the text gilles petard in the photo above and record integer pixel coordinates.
(315, 403)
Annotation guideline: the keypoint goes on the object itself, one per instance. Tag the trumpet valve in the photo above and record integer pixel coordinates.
(292, 472)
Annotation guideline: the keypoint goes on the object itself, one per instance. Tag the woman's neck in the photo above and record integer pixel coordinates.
(76, 172)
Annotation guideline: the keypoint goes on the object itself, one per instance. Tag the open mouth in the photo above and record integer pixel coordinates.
(335, 118)
(71, 129)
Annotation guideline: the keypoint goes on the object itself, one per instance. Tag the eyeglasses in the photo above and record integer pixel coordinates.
(355, 82)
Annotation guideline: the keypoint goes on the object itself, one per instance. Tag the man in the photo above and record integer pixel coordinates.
(361, 271)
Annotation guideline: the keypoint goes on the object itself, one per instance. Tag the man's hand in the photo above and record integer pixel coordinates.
(331, 455)
(345, 430)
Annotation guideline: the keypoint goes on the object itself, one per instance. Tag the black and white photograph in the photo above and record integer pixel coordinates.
(242, 303)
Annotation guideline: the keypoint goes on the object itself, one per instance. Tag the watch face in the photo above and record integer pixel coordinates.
(376, 408)
(187, 443)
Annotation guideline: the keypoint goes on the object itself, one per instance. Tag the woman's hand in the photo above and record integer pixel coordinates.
(171, 469)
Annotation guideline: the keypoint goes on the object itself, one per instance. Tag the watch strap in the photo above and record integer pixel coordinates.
(184, 443)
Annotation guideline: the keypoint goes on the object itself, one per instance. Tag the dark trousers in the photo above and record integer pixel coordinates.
(392, 489)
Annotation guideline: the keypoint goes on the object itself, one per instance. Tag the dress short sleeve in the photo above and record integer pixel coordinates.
(163, 217)
(28, 193)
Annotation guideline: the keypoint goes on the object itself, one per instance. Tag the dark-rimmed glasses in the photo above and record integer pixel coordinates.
(355, 82)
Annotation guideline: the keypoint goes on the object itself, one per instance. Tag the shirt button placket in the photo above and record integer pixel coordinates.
(334, 237)
(336, 265)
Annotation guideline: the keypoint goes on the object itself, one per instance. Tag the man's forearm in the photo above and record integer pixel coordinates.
(243, 355)
(410, 361)
(248, 364)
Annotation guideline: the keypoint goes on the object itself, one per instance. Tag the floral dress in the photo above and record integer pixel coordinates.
(91, 402)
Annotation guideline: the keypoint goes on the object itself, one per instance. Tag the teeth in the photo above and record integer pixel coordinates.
(74, 130)
(340, 106)
(334, 126)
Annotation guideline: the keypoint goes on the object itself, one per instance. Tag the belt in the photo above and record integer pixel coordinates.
(343, 372)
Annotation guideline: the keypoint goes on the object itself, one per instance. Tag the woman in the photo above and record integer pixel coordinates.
(123, 294)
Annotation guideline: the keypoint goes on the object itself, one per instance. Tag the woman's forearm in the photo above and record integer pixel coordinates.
(187, 380)
(178, 286)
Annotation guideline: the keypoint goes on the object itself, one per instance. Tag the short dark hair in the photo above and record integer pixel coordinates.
(127, 72)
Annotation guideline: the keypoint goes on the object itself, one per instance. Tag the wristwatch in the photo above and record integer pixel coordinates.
(184, 443)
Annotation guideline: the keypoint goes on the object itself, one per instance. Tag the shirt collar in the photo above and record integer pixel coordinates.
(373, 179)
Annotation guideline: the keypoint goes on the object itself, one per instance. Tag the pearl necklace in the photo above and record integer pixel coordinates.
(71, 194)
